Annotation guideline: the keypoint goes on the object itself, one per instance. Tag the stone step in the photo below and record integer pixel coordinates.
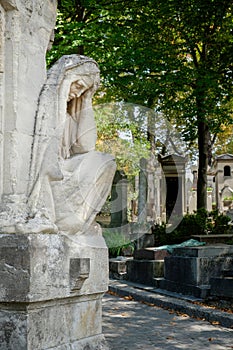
(198, 291)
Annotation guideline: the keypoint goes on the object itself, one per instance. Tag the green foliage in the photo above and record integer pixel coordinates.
(174, 56)
(199, 223)
(121, 136)
(116, 241)
(194, 224)
(220, 223)
(230, 198)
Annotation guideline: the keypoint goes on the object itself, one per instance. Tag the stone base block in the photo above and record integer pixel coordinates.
(116, 265)
(144, 271)
(117, 268)
(51, 289)
(189, 270)
(222, 287)
(194, 270)
(61, 324)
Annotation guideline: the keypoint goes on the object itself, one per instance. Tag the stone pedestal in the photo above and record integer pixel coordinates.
(51, 287)
(222, 287)
(189, 270)
(144, 271)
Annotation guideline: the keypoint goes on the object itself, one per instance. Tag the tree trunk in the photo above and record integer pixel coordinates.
(203, 138)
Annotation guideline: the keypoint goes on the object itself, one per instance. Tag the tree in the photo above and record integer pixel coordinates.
(202, 37)
(189, 73)
(175, 56)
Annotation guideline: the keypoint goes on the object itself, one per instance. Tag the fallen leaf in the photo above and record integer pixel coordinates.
(200, 318)
(181, 314)
(112, 293)
(148, 304)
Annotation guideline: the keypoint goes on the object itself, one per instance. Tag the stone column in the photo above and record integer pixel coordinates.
(2, 29)
(26, 28)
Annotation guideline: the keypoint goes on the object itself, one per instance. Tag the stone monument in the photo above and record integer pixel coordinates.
(173, 185)
(53, 258)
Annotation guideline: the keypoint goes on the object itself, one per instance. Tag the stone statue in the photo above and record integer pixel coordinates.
(70, 181)
(52, 183)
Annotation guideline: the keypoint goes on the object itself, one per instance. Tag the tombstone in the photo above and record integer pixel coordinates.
(192, 194)
(53, 258)
(222, 171)
(192, 270)
(152, 189)
(119, 200)
(173, 186)
(143, 188)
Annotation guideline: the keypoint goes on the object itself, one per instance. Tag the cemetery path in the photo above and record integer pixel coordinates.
(130, 324)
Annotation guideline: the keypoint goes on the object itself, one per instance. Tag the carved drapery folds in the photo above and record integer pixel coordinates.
(69, 181)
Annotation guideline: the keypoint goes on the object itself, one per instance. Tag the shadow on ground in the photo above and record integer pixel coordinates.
(128, 324)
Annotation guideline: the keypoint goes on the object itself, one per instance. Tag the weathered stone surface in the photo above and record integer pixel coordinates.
(13, 328)
(14, 268)
(38, 267)
(26, 28)
(61, 324)
(51, 290)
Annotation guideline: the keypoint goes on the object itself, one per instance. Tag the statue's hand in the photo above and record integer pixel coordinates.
(88, 94)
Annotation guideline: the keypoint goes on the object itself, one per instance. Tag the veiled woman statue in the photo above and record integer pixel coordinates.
(70, 181)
